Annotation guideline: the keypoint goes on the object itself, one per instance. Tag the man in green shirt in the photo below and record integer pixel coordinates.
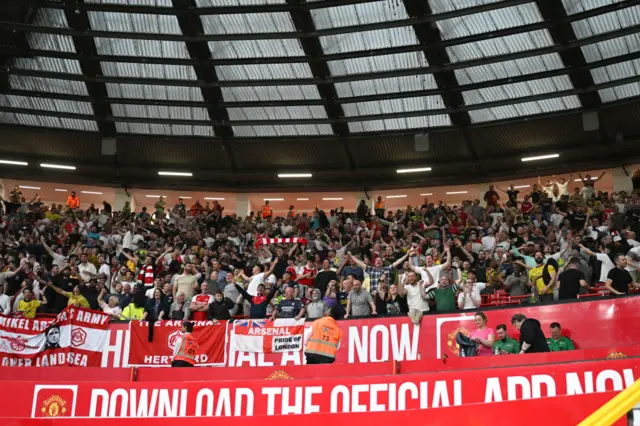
(505, 345)
(444, 293)
(558, 342)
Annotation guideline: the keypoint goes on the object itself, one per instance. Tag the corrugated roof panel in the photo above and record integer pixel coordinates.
(500, 46)
(377, 63)
(617, 72)
(276, 113)
(269, 93)
(517, 90)
(607, 22)
(386, 85)
(255, 48)
(46, 104)
(368, 40)
(390, 106)
(69, 66)
(164, 129)
(137, 91)
(39, 84)
(513, 68)
(485, 22)
(287, 130)
(50, 18)
(525, 109)
(159, 111)
(51, 122)
(441, 6)
(617, 93)
(158, 3)
(263, 71)
(213, 3)
(121, 69)
(611, 48)
(396, 123)
(141, 48)
(248, 23)
(359, 14)
(576, 6)
(134, 22)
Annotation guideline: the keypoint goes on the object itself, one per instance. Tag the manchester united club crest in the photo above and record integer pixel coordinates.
(279, 375)
(54, 406)
(451, 340)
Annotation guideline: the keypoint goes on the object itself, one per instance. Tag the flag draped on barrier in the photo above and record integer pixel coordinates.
(76, 337)
(210, 336)
(265, 336)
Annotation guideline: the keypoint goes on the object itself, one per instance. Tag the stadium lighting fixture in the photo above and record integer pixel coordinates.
(187, 174)
(57, 166)
(395, 196)
(416, 170)
(91, 192)
(14, 163)
(540, 157)
(294, 175)
(457, 192)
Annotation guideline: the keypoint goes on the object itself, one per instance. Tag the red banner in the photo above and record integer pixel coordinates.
(76, 337)
(158, 353)
(590, 324)
(373, 394)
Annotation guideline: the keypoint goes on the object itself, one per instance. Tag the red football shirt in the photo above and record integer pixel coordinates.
(201, 299)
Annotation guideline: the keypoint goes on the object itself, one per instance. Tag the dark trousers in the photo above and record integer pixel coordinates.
(319, 359)
(180, 363)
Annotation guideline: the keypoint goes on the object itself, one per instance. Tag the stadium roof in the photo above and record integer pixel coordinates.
(236, 91)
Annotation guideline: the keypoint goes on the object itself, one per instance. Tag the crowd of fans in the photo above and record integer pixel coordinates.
(198, 263)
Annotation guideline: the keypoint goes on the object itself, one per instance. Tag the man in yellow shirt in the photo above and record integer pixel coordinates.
(537, 279)
(29, 305)
(75, 298)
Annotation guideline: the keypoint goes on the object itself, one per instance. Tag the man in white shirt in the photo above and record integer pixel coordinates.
(489, 240)
(5, 302)
(470, 297)
(257, 278)
(434, 270)
(607, 263)
(87, 270)
(414, 291)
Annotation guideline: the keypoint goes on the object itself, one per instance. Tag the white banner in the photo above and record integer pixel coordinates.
(266, 336)
(75, 337)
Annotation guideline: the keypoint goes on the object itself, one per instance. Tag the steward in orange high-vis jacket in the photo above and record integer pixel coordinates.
(324, 340)
(186, 349)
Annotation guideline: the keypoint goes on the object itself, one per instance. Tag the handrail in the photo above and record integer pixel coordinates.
(617, 407)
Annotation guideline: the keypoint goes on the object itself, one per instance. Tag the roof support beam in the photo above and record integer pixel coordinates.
(191, 26)
(14, 11)
(92, 70)
(563, 34)
(303, 22)
(446, 80)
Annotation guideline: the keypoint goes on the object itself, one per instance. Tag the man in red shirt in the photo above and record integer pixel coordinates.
(200, 303)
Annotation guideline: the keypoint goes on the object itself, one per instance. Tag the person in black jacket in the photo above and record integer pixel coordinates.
(259, 302)
(155, 309)
(219, 308)
(532, 339)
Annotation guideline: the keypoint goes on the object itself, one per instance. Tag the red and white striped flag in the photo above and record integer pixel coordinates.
(76, 337)
(265, 336)
(293, 240)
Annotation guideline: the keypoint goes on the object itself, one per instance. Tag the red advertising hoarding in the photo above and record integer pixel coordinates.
(590, 324)
(432, 392)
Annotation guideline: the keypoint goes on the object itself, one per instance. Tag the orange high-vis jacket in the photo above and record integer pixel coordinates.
(73, 202)
(325, 337)
(188, 349)
(379, 205)
(267, 211)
